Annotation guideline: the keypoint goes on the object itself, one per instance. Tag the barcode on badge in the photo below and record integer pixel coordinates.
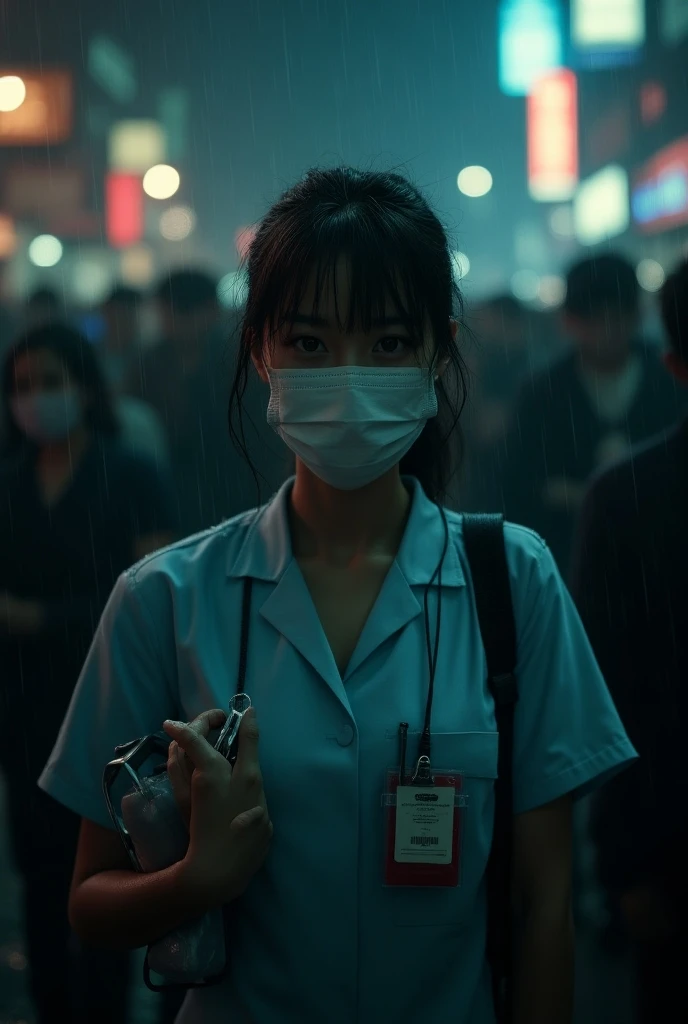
(424, 840)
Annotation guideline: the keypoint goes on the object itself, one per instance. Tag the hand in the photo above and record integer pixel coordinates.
(648, 917)
(229, 828)
(18, 617)
(180, 767)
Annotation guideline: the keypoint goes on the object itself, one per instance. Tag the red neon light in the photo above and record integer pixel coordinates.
(552, 113)
(123, 209)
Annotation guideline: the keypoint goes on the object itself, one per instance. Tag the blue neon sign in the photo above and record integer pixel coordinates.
(531, 43)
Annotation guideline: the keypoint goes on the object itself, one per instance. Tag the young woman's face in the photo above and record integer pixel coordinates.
(41, 371)
(318, 340)
(47, 403)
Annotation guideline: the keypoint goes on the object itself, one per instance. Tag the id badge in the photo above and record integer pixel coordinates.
(423, 831)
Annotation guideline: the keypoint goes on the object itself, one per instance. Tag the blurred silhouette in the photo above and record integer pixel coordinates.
(630, 580)
(118, 349)
(76, 509)
(497, 365)
(42, 307)
(141, 428)
(186, 380)
(588, 408)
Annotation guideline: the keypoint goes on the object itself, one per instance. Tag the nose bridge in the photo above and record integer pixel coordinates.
(350, 350)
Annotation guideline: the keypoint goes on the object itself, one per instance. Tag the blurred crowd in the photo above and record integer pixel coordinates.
(115, 442)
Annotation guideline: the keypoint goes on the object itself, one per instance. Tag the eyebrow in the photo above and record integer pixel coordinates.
(319, 321)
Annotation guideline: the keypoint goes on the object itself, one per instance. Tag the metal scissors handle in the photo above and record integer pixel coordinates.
(227, 740)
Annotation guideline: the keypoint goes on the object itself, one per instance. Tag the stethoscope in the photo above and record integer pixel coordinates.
(423, 770)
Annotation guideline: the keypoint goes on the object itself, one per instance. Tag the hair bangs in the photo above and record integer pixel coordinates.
(346, 256)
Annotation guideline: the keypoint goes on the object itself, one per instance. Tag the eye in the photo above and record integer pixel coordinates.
(393, 346)
(306, 345)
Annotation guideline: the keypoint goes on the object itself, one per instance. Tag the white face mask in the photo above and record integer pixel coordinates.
(350, 425)
(47, 416)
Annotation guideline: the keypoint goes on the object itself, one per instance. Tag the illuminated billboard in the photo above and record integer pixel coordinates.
(135, 145)
(123, 209)
(44, 115)
(601, 207)
(659, 196)
(552, 113)
(530, 43)
(605, 33)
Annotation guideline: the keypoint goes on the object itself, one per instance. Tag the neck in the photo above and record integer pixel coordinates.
(345, 527)
(65, 452)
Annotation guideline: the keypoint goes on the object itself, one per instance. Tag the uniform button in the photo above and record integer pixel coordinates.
(345, 736)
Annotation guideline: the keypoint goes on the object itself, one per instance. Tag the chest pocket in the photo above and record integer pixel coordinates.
(473, 755)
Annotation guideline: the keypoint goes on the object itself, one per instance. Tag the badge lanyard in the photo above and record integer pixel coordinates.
(423, 772)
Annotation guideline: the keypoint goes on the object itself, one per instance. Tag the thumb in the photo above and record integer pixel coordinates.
(247, 753)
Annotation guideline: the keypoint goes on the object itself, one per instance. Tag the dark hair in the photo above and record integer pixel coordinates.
(397, 248)
(186, 290)
(43, 297)
(123, 296)
(75, 352)
(599, 283)
(674, 307)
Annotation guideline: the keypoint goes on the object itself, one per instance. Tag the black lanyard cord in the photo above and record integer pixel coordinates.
(424, 750)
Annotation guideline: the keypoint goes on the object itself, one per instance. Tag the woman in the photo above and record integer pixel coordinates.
(75, 511)
(352, 319)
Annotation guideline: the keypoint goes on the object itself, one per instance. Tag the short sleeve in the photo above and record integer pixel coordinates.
(568, 737)
(125, 691)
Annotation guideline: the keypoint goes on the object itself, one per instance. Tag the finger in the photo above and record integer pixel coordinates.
(249, 819)
(204, 723)
(247, 754)
(199, 751)
(179, 780)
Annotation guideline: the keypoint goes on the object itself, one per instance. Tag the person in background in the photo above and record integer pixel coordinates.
(630, 581)
(76, 509)
(141, 428)
(42, 307)
(119, 346)
(588, 408)
(184, 378)
(497, 363)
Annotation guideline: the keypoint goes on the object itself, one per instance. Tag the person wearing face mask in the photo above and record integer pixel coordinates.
(76, 509)
(353, 320)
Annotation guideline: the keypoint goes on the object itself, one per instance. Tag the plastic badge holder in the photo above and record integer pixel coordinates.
(155, 836)
(428, 874)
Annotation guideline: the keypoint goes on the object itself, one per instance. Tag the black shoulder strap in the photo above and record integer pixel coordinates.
(484, 541)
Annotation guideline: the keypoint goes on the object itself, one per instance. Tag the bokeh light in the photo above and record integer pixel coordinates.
(474, 181)
(232, 291)
(92, 279)
(45, 251)
(461, 265)
(12, 93)
(161, 181)
(177, 223)
(650, 275)
(525, 285)
(552, 290)
(8, 237)
(137, 266)
(561, 222)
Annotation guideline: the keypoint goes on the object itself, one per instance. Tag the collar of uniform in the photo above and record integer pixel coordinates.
(266, 549)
